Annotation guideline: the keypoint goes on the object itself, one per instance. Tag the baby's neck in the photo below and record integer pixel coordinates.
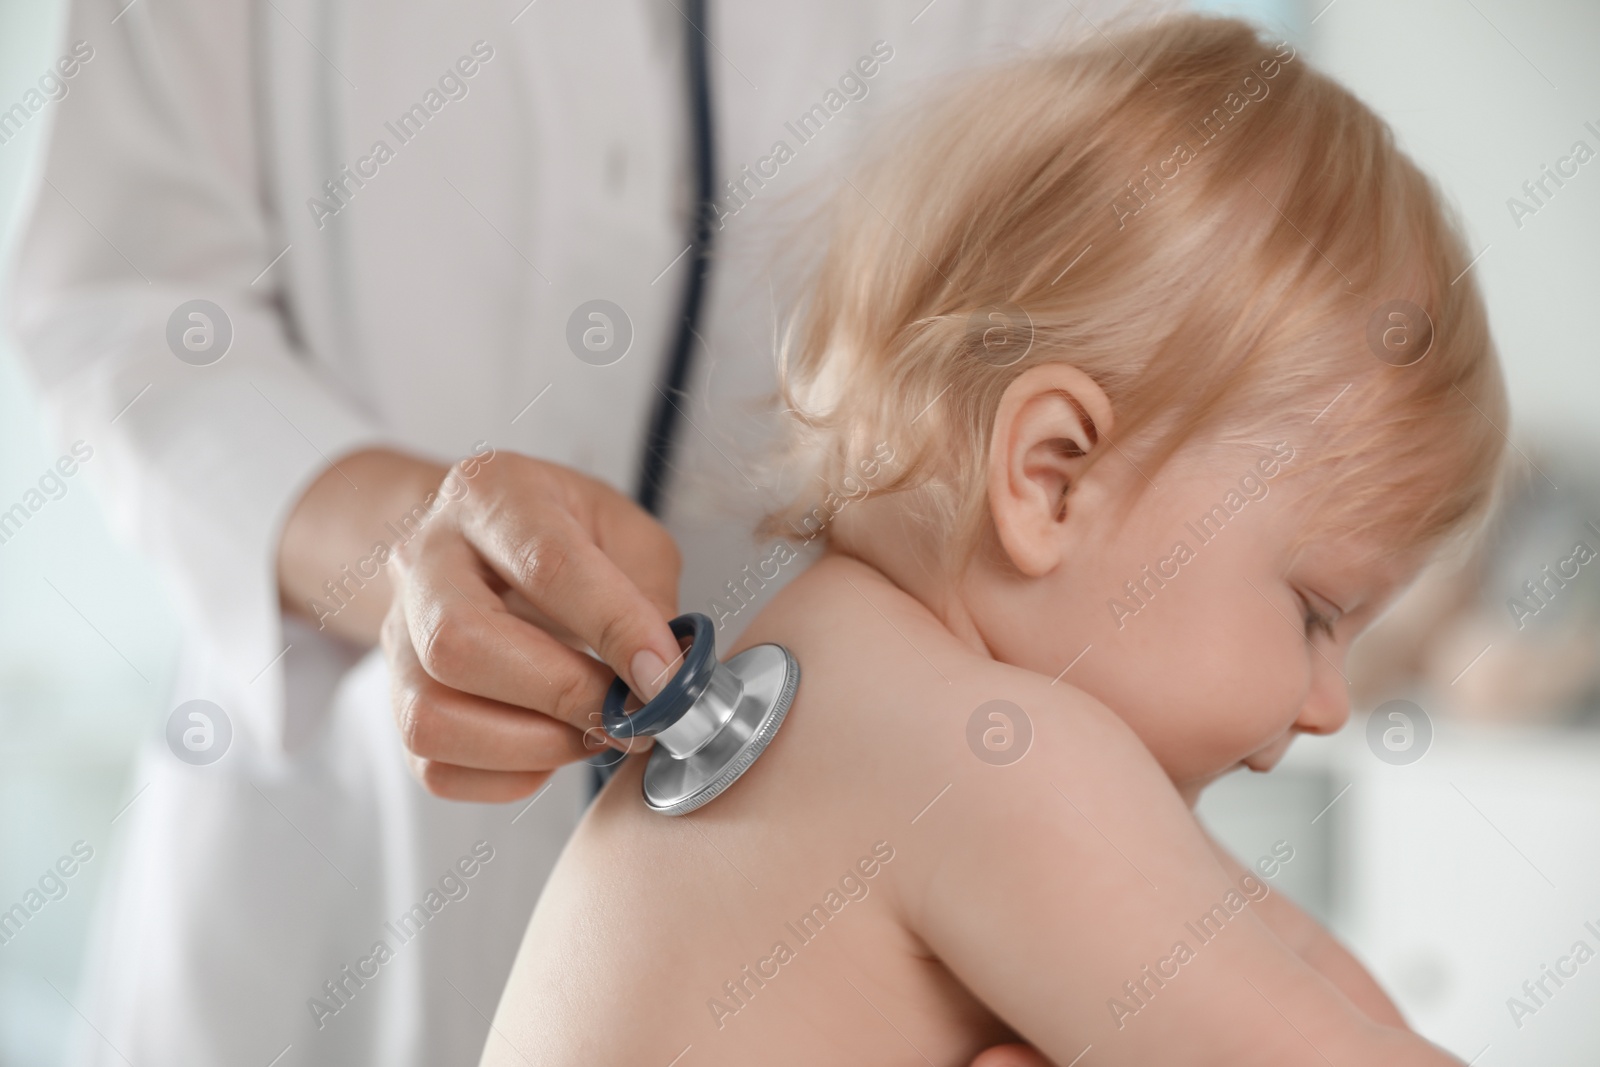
(941, 597)
(959, 605)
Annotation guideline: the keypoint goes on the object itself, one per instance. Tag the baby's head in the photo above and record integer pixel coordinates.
(1181, 370)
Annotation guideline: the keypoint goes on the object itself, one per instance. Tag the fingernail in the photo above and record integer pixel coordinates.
(649, 673)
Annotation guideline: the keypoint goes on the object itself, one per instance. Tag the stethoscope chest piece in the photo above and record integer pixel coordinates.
(711, 720)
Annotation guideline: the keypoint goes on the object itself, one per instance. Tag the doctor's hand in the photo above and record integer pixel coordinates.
(514, 567)
(1010, 1056)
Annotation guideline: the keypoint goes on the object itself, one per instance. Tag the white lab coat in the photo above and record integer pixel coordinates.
(425, 308)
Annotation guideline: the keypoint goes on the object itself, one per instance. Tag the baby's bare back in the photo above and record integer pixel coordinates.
(770, 926)
(822, 910)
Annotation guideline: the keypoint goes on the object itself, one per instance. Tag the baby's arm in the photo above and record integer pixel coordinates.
(1307, 939)
(1076, 895)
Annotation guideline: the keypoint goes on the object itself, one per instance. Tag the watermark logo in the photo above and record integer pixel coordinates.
(1139, 991)
(606, 754)
(1001, 334)
(53, 85)
(1399, 333)
(1149, 183)
(999, 733)
(454, 885)
(743, 589)
(199, 732)
(853, 85)
(1565, 167)
(343, 588)
(1537, 992)
(1541, 592)
(347, 182)
(199, 332)
(51, 486)
(1138, 592)
(53, 885)
(1399, 732)
(599, 332)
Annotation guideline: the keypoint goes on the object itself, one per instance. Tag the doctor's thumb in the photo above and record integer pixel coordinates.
(634, 634)
(659, 655)
(650, 672)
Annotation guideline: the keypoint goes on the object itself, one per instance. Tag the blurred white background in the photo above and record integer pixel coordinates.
(1459, 877)
(72, 709)
(1456, 877)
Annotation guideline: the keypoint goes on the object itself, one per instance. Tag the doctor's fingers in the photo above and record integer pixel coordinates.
(442, 725)
(591, 560)
(461, 635)
(439, 723)
(469, 784)
(1010, 1056)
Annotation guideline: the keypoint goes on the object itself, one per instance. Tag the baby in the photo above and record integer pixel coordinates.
(1161, 359)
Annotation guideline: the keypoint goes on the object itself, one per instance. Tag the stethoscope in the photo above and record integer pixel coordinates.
(712, 719)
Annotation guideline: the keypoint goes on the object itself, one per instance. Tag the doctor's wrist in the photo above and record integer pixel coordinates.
(333, 550)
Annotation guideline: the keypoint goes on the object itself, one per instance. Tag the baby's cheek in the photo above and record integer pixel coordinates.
(1246, 677)
(1273, 677)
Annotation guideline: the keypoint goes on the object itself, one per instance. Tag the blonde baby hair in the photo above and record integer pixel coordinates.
(1218, 235)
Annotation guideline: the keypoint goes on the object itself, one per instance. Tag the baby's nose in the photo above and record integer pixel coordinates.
(1327, 706)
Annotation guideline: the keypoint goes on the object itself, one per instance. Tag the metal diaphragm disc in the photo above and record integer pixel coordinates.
(675, 786)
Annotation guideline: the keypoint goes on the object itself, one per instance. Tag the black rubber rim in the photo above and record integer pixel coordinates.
(679, 694)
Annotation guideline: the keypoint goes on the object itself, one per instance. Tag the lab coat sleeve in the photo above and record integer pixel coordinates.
(149, 194)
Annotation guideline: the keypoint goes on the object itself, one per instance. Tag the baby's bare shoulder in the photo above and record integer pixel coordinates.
(890, 699)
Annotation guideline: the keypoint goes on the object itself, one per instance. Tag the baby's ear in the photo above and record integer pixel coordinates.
(1050, 420)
